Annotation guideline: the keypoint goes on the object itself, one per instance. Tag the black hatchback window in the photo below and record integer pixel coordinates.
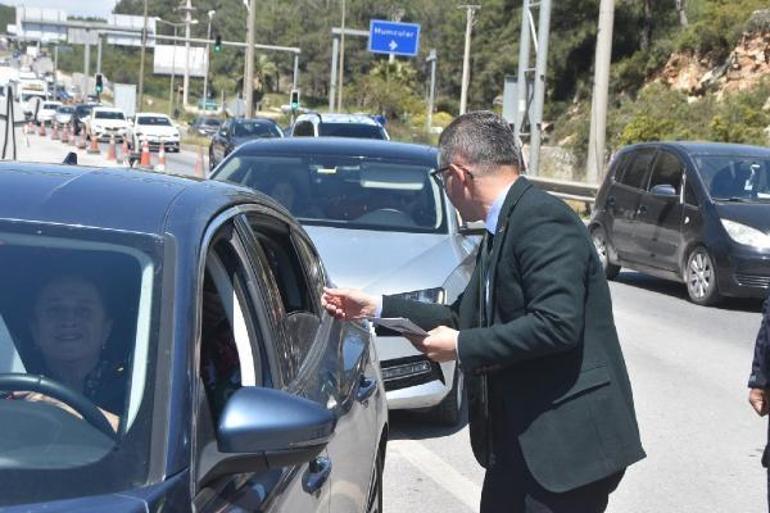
(635, 174)
(667, 171)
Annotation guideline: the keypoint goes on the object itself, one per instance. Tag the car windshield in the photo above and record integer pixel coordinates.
(108, 114)
(211, 122)
(342, 191)
(735, 177)
(65, 110)
(51, 106)
(153, 120)
(357, 130)
(255, 129)
(76, 311)
(83, 110)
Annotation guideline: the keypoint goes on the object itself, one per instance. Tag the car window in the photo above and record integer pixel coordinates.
(668, 170)
(343, 191)
(230, 354)
(690, 197)
(255, 129)
(636, 173)
(105, 114)
(303, 129)
(735, 177)
(299, 316)
(153, 121)
(357, 130)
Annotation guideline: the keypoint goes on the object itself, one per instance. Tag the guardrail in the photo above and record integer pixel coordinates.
(575, 191)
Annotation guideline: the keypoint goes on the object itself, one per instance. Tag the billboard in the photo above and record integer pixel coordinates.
(168, 58)
(41, 24)
(126, 21)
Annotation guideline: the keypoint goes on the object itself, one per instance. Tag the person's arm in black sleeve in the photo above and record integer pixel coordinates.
(759, 367)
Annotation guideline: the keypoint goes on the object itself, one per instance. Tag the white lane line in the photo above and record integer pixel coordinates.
(442, 473)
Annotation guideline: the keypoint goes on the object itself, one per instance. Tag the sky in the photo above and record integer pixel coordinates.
(100, 8)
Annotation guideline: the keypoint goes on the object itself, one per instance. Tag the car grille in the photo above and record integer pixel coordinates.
(410, 371)
(752, 280)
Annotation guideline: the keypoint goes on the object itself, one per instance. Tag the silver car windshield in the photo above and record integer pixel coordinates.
(350, 192)
(75, 353)
(735, 178)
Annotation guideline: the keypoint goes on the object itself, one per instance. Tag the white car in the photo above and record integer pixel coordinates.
(156, 128)
(47, 112)
(105, 122)
(332, 124)
(64, 115)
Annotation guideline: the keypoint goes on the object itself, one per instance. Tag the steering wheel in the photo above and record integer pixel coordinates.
(80, 403)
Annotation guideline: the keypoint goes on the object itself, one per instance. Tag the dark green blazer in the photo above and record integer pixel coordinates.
(546, 367)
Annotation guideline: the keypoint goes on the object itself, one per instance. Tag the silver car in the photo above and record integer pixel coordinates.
(381, 224)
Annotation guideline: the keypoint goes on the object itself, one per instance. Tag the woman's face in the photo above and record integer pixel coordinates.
(69, 321)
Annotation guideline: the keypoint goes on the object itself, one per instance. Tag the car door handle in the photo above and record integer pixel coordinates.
(366, 387)
(642, 210)
(316, 475)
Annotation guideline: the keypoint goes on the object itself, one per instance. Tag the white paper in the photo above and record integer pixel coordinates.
(399, 324)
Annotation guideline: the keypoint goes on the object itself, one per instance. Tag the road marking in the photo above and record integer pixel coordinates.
(442, 473)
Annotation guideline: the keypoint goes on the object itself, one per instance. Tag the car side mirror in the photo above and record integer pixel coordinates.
(263, 428)
(664, 190)
(473, 228)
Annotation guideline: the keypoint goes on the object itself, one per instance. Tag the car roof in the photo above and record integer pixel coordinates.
(156, 114)
(708, 148)
(254, 120)
(110, 198)
(340, 117)
(372, 148)
(108, 109)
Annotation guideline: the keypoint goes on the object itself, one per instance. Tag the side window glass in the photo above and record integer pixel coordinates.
(303, 129)
(617, 166)
(637, 171)
(300, 319)
(229, 354)
(689, 195)
(668, 170)
(314, 269)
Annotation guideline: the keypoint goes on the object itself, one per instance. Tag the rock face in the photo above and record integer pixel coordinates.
(748, 63)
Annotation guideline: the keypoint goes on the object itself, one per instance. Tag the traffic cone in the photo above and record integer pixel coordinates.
(30, 127)
(122, 157)
(198, 170)
(94, 148)
(111, 149)
(144, 161)
(41, 131)
(161, 157)
(82, 140)
(55, 132)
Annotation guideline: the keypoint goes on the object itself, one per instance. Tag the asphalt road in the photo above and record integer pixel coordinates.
(688, 366)
(182, 163)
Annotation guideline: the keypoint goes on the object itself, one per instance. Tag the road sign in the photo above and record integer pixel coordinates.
(394, 38)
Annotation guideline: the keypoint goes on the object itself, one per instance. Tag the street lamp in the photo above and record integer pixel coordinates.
(208, 55)
(173, 63)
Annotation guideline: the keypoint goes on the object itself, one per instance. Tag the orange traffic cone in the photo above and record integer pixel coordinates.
(55, 132)
(144, 161)
(122, 157)
(65, 137)
(111, 149)
(94, 148)
(161, 157)
(199, 164)
(41, 132)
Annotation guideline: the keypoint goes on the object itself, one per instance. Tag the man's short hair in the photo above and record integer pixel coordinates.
(482, 139)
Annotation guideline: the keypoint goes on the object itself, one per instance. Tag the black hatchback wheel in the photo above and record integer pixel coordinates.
(599, 238)
(701, 277)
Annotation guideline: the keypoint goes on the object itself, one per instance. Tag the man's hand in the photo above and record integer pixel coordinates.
(348, 304)
(758, 400)
(440, 345)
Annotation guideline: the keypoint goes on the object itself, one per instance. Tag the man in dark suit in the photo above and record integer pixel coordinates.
(551, 411)
(759, 382)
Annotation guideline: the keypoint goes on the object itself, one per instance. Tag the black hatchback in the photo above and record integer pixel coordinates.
(692, 212)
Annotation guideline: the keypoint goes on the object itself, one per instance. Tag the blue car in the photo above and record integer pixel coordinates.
(163, 348)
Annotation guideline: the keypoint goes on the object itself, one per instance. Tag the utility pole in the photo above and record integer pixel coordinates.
(187, 9)
(432, 93)
(87, 57)
(469, 11)
(248, 75)
(596, 141)
(333, 77)
(342, 60)
(140, 98)
(171, 82)
(208, 58)
(98, 53)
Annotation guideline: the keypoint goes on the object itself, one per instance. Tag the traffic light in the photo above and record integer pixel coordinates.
(99, 83)
(218, 43)
(294, 102)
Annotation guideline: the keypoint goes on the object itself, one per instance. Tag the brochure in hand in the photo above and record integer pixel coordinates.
(400, 325)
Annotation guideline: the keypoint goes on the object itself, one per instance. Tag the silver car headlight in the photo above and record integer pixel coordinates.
(743, 234)
(434, 295)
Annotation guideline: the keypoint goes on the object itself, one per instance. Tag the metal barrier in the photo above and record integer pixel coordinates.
(575, 191)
